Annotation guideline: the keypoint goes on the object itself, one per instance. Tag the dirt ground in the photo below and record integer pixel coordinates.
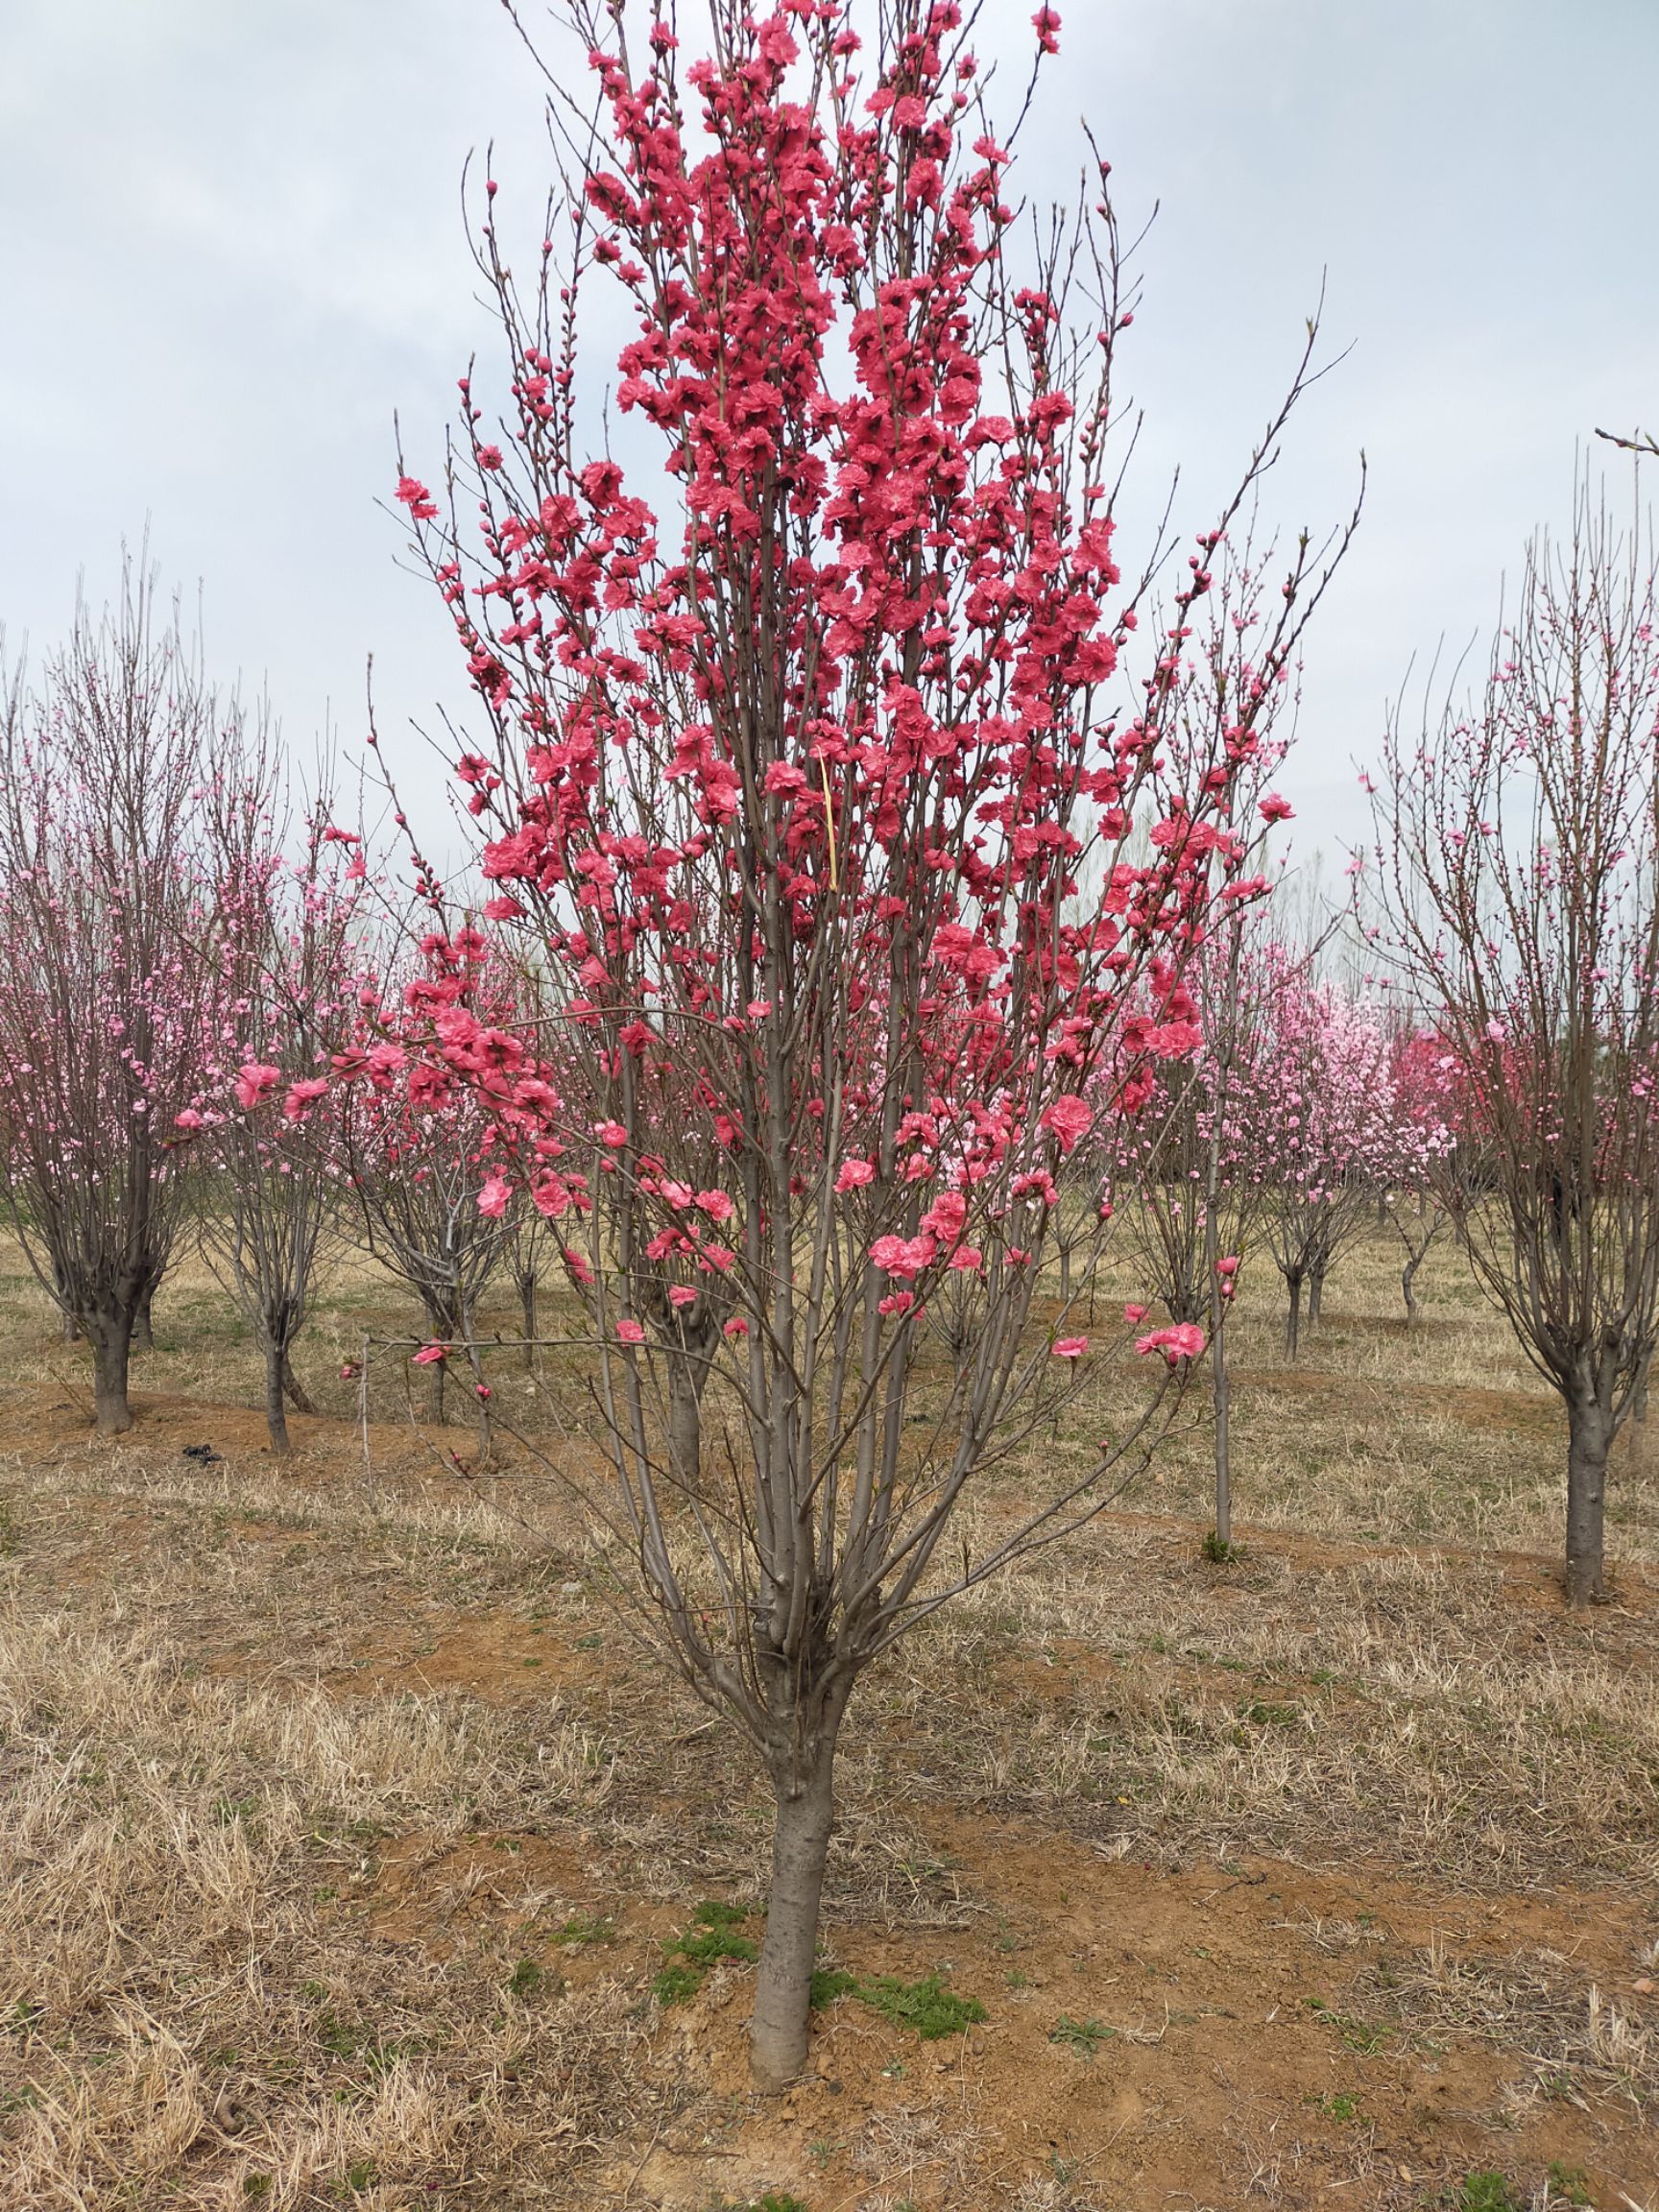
(349, 1833)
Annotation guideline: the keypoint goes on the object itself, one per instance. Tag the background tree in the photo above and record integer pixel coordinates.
(292, 972)
(1518, 846)
(794, 784)
(1409, 1160)
(413, 1144)
(109, 979)
(1314, 1115)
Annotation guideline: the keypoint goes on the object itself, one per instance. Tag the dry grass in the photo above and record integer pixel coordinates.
(344, 1824)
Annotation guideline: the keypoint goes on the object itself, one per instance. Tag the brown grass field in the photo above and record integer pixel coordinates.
(345, 1829)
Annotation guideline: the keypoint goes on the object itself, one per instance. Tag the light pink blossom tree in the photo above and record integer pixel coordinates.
(109, 974)
(1314, 1114)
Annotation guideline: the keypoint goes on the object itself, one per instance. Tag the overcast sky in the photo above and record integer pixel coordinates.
(232, 245)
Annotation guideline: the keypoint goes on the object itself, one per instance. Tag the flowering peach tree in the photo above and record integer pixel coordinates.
(801, 733)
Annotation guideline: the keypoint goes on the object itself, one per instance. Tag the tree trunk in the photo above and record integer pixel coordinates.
(1293, 1313)
(527, 1300)
(1588, 1437)
(806, 1812)
(441, 1329)
(143, 1335)
(1065, 1270)
(1407, 1275)
(1223, 1409)
(71, 1328)
(480, 1392)
(275, 1414)
(111, 1334)
(1315, 1290)
(685, 1421)
(297, 1394)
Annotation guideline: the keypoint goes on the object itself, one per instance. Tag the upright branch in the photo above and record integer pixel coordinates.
(1518, 849)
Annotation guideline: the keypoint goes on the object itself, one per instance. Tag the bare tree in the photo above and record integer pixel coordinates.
(1518, 843)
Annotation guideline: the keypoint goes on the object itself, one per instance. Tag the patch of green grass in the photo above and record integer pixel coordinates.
(1264, 1713)
(711, 1936)
(1218, 1553)
(677, 1981)
(1341, 2104)
(525, 1979)
(927, 2005)
(1359, 2035)
(586, 1928)
(1084, 2036)
(1487, 2191)
(1569, 2183)
(256, 2184)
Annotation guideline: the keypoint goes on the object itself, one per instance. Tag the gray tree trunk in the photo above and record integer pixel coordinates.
(1589, 1433)
(111, 1334)
(143, 1335)
(1223, 1407)
(1293, 1313)
(276, 1412)
(686, 1379)
(806, 1812)
(298, 1396)
(1315, 1290)
(527, 1300)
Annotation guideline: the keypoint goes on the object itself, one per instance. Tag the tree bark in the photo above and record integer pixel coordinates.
(1221, 1386)
(527, 1301)
(1315, 1290)
(1589, 1433)
(111, 1334)
(276, 1413)
(1293, 1313)
(143, 1335)
(297, 1394)
(685, 1421)
(480, 1392)
(1407, 1277)
(806, 1812)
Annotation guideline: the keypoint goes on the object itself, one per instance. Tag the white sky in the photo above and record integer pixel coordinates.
(230, 247)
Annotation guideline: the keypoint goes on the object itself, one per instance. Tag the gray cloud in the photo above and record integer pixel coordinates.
(233, 247)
